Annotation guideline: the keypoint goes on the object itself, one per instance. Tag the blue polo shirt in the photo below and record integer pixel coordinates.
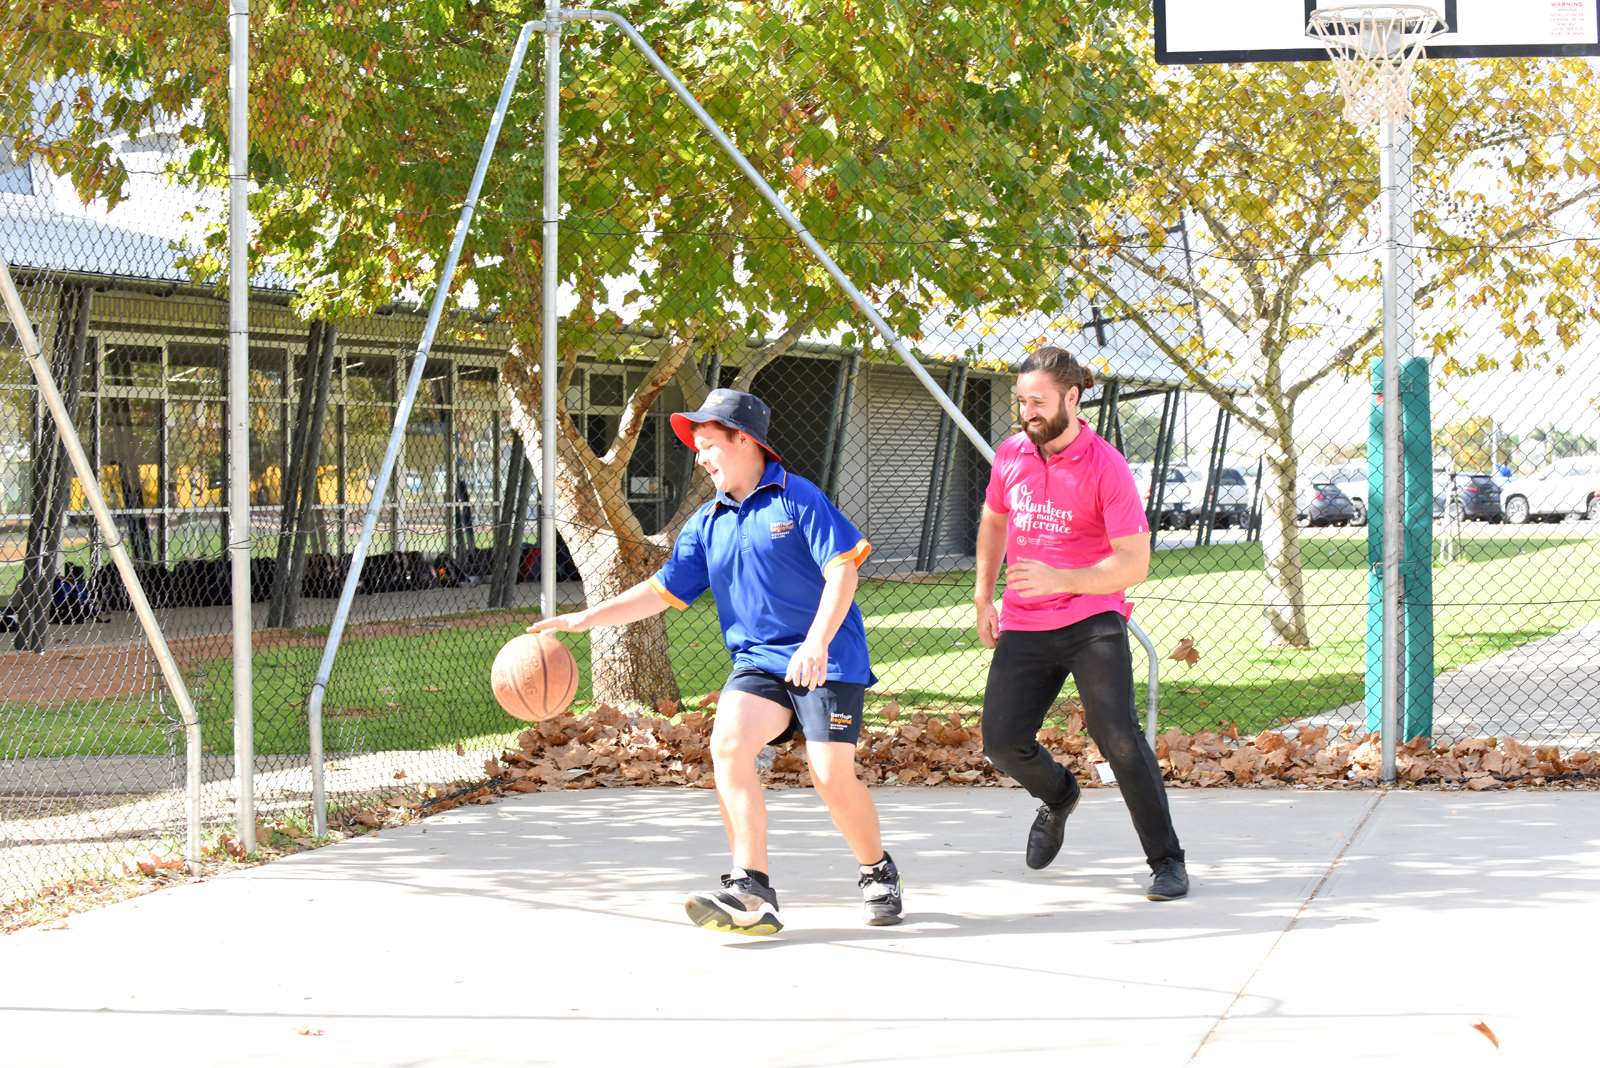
(765, 559)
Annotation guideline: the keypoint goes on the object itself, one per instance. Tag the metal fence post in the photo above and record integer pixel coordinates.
(244, 747)
(380, 489)
(194, 771)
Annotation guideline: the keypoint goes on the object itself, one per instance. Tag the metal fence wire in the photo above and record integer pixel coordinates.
(1207, 240)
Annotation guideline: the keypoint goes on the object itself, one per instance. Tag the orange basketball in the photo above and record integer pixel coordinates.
(534, 677)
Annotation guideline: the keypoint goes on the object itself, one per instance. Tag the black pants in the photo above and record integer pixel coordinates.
(1025, 678)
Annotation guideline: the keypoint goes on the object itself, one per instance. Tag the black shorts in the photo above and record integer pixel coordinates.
(830, 713)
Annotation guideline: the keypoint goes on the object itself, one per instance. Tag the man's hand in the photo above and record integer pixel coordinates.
(573, 621)
(988, 624)
(808, 667)
(1031, 578)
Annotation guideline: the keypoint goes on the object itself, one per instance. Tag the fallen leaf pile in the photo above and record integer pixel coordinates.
(611, 748)
(1317, 756)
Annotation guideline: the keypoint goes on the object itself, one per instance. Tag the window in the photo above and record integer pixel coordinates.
(606, 391)
(133, 366)
(195, 370)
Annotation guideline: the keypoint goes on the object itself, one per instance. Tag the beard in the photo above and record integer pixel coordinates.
(1042, 432)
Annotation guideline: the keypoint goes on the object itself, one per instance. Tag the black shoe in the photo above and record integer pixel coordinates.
(1169, 880)
(742, 906)
(881, 893)
(1049, 827)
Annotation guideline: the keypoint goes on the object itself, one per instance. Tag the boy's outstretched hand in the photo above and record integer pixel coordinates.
(572, 621)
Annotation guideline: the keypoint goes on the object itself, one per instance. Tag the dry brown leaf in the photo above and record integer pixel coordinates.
(461, 750)
(399, 773)
(1270, 741)
(1185, 652)
(1312, 736)
(1484, 1030)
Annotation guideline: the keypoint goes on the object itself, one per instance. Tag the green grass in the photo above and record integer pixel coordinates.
(430, 689)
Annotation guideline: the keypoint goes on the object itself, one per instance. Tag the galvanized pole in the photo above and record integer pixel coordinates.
(548, 430)
(51, 396)
(239, 531)
(341, 614)
(1393, 457)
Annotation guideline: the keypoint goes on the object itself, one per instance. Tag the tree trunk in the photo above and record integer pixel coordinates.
(629, 665)
(1283, 595)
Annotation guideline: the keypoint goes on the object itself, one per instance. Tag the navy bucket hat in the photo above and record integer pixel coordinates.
(744, 412)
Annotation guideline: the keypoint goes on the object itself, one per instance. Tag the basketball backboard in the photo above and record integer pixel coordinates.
(1261, 31)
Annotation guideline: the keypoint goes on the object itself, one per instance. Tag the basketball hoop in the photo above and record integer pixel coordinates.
(1374, 49)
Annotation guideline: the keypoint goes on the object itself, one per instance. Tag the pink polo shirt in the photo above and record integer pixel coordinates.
(1064, 512)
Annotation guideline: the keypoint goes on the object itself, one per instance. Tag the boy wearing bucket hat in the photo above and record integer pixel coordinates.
(781, 561)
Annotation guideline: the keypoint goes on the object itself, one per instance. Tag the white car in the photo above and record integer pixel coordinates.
(1565, 487)
(1175, 495)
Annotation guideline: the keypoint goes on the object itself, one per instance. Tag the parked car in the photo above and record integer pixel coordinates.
(1351, 479)
(1565, 487)
(1325, 505)
(1476, 496)
(1233, 496)
(1175, 496)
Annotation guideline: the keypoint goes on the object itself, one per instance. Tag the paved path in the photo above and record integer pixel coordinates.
(1342, 927)
(1545, 692)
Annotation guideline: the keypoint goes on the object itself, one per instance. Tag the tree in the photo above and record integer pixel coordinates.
(1281, 198)
(1557, 444)
(929, 149)
(1468, 443)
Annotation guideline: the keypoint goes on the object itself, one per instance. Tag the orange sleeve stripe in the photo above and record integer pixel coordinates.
(667, 595)
(862, 550)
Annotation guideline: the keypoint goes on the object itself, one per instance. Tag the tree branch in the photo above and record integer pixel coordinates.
(656, 380)
(774, 348)
(1236, 252)
(1192, 370)
(1196, 291)
(1346, 355)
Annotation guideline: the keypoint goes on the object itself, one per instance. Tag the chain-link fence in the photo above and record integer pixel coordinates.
(1206, 239)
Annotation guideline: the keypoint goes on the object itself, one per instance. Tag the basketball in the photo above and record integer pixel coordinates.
(534, 677)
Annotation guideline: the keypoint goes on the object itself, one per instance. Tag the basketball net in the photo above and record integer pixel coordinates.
(1374, 49)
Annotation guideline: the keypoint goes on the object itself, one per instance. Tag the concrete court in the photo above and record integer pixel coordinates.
(1325, 928)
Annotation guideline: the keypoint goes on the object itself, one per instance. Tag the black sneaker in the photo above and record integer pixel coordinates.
(1169, 880)
(881, 893)
(1049, 827)
(742, 906)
